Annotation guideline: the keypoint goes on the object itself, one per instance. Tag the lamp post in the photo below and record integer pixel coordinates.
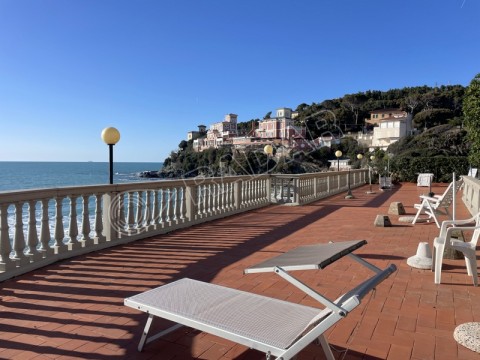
(110, 136)
(370, 175)
(268, 149)
(349, 192)
(338, 154)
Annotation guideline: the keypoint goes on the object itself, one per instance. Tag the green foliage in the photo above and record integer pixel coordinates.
(446, 140)
(348, 113)
(247, 127)
(183, 145)
(471, 109)
(406, 168)
(432, 117)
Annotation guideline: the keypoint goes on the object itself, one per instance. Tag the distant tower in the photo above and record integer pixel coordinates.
(202, 129)
(232, 118)
(284, 113)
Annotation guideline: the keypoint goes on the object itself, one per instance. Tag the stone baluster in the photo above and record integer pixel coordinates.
(191, 202)
(156, 208)
(219, 196)
(32, 239)
(148, 211)
(166, 205)
(99, 238)
(73, 226)
(251, 192)
(214, 198)
(224, 197)
(19, 237)
(261, 190)
(6, 262)
(162, 208)
(171, 205)
(139, 218)
(198, 199)
(208, 199)
(59, 232)
(183, 208)
(86, 239)
(177, 205)
(130, 211)
(45, 236)
(121, 213)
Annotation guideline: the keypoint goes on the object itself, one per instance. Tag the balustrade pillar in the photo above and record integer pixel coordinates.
(237, 194)
(59, 232)
(130, 212)
(148, 212)
(32, 240)
(156, 208)
(86, 239)
(6, 262)
(139, 216)
(19, 237)
(191, 206)
(45, 249)
(110, 215)
(73, 243)
(99, 238)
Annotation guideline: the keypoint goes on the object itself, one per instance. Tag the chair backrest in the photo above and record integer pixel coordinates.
(446, 199)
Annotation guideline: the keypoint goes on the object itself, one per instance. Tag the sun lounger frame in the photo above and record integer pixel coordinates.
(322, 319)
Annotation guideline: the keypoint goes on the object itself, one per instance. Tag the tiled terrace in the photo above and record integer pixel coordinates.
(74, 309)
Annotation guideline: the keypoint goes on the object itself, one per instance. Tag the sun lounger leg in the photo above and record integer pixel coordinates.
(146, 340)
(326, 347)
(145, 332)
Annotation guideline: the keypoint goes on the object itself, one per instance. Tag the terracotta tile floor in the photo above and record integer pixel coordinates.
(74, 309)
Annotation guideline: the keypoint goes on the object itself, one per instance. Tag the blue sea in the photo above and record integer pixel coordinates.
(35, 175)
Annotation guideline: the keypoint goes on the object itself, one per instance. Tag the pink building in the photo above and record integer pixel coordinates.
(280, 127)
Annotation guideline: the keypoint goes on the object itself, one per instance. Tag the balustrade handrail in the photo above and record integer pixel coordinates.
(41, 226)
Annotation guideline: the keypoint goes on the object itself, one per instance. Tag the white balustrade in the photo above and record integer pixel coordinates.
(471, 194)
(100, 216)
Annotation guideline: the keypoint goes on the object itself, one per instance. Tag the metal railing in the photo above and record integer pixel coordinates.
(305, 188)
(39, 227)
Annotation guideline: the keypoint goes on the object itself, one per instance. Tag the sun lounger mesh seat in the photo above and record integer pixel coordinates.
(267, 320)
(276, 327)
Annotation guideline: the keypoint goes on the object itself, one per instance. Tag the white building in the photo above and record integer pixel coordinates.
(390, 130)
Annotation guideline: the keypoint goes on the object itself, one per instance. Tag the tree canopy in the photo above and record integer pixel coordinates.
(471, 109)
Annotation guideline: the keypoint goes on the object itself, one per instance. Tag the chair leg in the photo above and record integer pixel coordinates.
(420, 211)
(471, 262)
(326, 347)
(434, 251)
(438, 250)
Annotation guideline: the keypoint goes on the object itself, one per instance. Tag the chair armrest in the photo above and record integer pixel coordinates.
(450, 230)
(429, 198)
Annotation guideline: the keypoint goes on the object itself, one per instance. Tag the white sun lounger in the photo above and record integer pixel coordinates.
(277, 328)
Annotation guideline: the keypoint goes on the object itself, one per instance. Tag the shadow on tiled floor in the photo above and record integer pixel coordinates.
(74, 309)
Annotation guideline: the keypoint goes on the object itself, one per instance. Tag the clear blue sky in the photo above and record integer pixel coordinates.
(155, 69)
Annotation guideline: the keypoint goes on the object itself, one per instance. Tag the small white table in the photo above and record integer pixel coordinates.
(424, 179)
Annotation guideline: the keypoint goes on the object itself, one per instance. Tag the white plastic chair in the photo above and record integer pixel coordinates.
(468, 249)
